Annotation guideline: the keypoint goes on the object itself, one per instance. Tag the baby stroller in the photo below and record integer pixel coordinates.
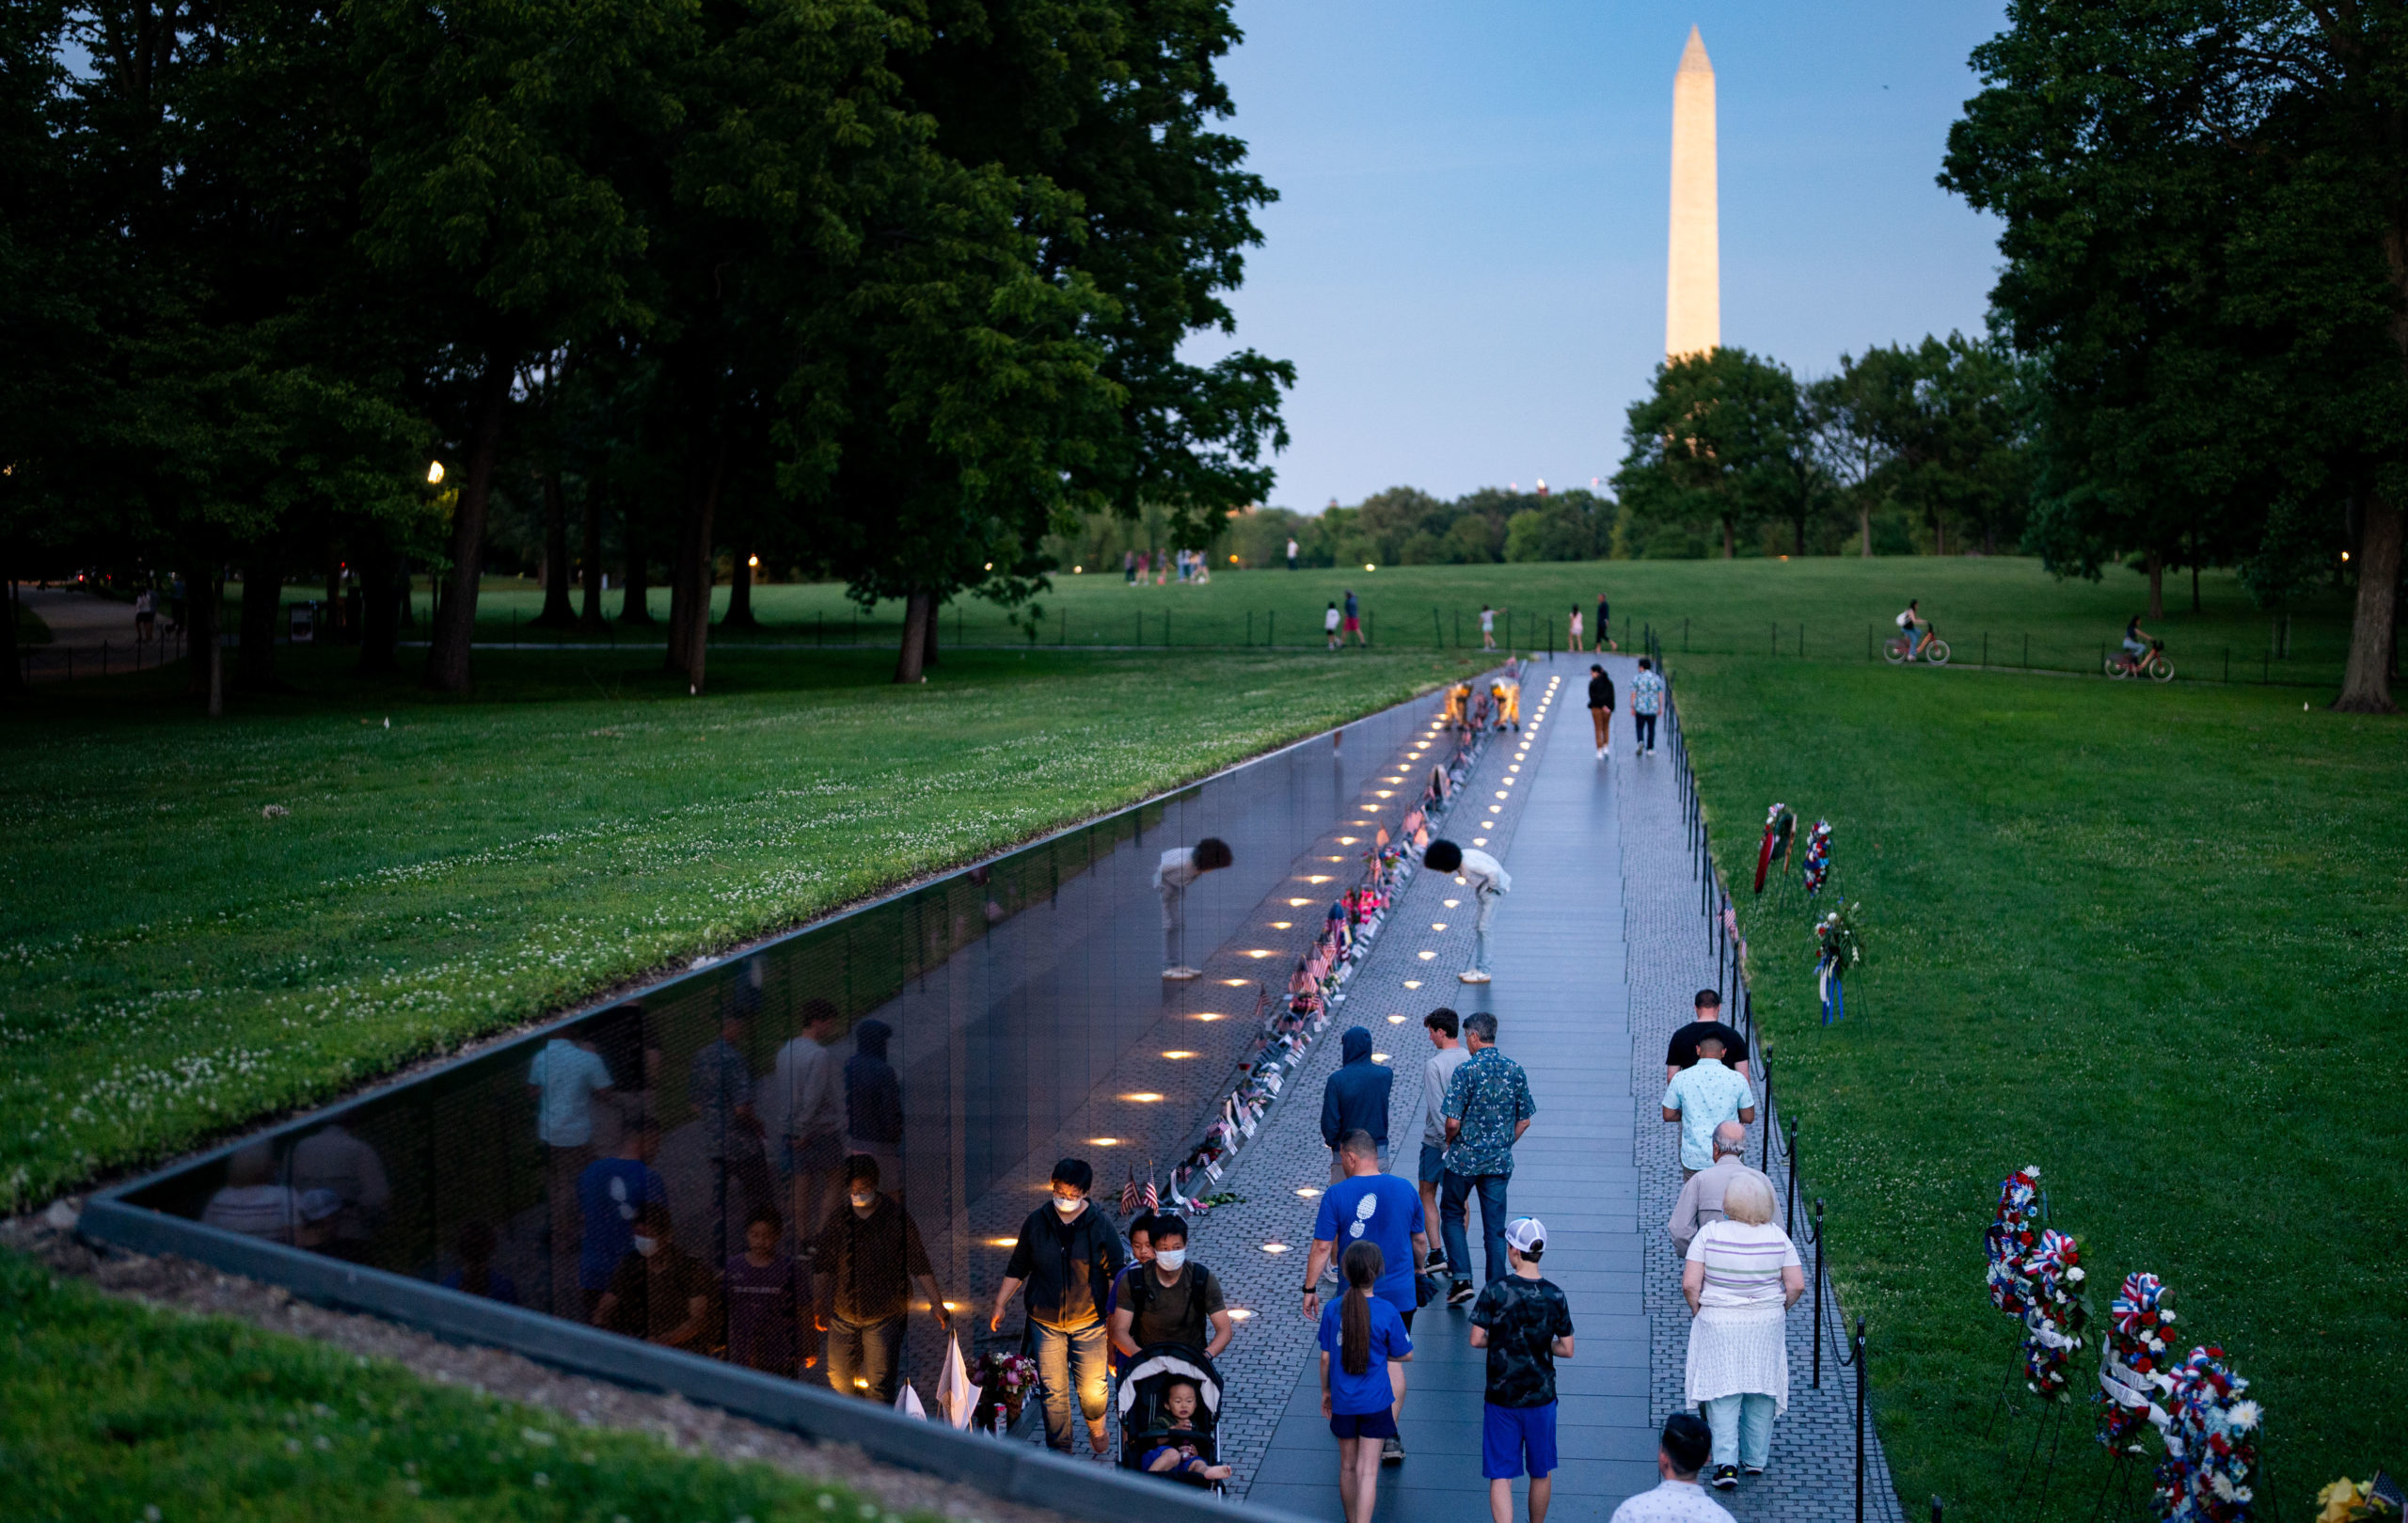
(1146, 1421)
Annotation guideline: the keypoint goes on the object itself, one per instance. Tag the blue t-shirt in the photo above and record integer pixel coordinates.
(609, 1193)
(1361, 1395)
(1379, 1209)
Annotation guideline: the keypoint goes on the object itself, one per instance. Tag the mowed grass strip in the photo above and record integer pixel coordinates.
(2150, 939)
(120, 1410)
(172, 962)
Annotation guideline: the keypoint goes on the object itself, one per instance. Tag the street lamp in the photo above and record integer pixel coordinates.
(435, 473)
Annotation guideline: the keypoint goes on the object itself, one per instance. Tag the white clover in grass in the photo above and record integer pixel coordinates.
(542, 1480)
(537, 1435)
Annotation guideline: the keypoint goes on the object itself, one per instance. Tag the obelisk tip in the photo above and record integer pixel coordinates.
(1693, 56)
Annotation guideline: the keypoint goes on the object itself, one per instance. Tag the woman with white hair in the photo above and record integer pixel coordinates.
(1741, 1279)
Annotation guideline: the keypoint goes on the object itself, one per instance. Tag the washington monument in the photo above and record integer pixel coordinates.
(1693, 280)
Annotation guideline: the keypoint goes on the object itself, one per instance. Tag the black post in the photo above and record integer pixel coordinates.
(1817, 1381)
(1860, 1419)
(2027, 666)
(1271, 639)
(1935, 1509)
(1141, 640)
(1985, 647)
(1766, 1165)
(1249, 628)
(1437, 630)
(1789, 1212)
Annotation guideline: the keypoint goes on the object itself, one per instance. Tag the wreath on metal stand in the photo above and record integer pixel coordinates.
(2210, 1444)
(2131, 1381)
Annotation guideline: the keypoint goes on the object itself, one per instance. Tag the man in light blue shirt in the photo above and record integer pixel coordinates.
(566, 1077)
(1701, 1098)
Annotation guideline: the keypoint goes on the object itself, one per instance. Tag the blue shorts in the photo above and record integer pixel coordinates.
(1434, 1164)
(1379, 1424)
(1507, 1434)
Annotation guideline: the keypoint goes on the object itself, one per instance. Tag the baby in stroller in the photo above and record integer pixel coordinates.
(1178, 1453)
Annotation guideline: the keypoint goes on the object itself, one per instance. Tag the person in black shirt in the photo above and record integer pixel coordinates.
(1067, 1256)
(864, 1265)
(1682, 1053)
(1601, 709)
(1525, 1322)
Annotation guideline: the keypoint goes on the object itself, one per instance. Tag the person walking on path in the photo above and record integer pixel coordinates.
(1525, 1322)
(1681, 1454)
(1129, 567)
(1488, 1108)
(1573, 639)
(1701, 1197)
(1371, 1206)
(865, 1263)
(1701, 1098)
(1355, 1097)
(1067, 1256)
(1682, 1053)
(1437, 1075)
(1646, 703)
(1364, 1345)
(1605, 626)
(1293, 547)
(1354, 616)
(1487, 627)
(1177, 871)
(1488, 882)
(1170, 1299)
(1329, 623)
(1741, 1278)
(1601, 709)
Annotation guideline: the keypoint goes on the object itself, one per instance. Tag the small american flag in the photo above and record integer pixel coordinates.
(1153, 1197)
(1129, 1192)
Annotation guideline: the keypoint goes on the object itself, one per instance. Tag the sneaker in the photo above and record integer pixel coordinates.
(1473, 976)
(1726, 1478)
(1460, 1295)
(1436, 1261)
(1754, 1470)
(1181, 974)
(1391, 1451)
(1601, 754)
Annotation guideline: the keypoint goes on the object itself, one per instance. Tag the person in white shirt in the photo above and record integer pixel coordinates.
(807, 1080)
(1293, 547)
(1488, 882)
(566, 1077)
(1180, 866)
(1680, 1454)
(1741, 1278)
(252, 1202)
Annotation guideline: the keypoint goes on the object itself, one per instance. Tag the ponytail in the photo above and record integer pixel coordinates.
(1361, 1265)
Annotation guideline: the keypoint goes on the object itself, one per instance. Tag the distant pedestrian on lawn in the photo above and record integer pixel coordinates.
(1525, 1322)
(1646, 703)
(1369, 1206)
(1291, 554)
(1329, 625)
(865, 1263)
(1487, 627)
(1437, 1075)
(1488, 882)
(1355, 1097)
(1701, 1098)
(1573, 639)
(1067, 1256)
(1707, 1021)
(1605, 626)
(1177, 871)
(1488, 1108)
(1354, 616)
(1363, 1348)
(1701, 1197)
(1741, 1278)
(1601, 709)
(1129, 567)
(1681, 1454)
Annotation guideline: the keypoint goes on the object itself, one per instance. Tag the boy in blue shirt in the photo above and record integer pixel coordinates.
(1525, 1324)
(1384, 1210)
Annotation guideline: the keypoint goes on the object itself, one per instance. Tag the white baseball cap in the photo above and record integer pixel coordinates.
(1523, 1233)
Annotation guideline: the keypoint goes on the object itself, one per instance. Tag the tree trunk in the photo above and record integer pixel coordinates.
(447, 661)
(2156, 585)
(592, 618)
(908, 660)
(558, 612)
(204, 609)
(739, 596)
(689, 612)
(1801, 537)
(13, 670)
(635, 596)
(262, 599)
(382, 594)
(1864, 527)
(407, 591)
(1939, 535)
(2366, 682)
(1730, 544)
(928, 641)
(331, 623)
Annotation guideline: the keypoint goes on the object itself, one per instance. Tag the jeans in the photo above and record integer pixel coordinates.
(1068, 1361)
(1480, 931)
(1644, 727)
(1174, 923)
(1454, 1196)
(871, 1353)
(1742, 1428)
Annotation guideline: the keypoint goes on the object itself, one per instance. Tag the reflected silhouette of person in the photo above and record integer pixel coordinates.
(720, 1083)
(874, 1104)
(253, 1201)
(566, 1077)
(611, 1193)
(810, 1091)
(658, 1292)
(768, 1299)
(864, 1264)
(476, 1276)
(1180, 866)
(334, 1160)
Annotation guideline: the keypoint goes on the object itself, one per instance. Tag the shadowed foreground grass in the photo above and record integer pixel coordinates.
(2150, 939)
(172, 962)
(121, 1411)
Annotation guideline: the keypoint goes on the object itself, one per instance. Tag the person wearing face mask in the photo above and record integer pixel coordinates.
(1067, 1256)
(864, 1264)
(1172, 1300)
(659, 1293)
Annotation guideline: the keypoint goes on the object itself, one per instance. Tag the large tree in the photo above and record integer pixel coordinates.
(1720, 442)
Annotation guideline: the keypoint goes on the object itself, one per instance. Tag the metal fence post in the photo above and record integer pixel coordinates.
(1789, 1212)
(1769, 1128)
(1817, 1382)
(1860, 1419)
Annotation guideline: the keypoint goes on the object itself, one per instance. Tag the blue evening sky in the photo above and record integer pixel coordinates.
(1466, 262)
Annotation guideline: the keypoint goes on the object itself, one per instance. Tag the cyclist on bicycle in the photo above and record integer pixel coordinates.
(1912, 627)
(2136, 644)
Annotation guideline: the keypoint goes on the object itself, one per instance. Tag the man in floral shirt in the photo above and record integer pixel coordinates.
(1488, 1108)
(1646, 702)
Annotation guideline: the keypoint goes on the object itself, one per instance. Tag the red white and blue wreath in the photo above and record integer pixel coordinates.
(2210, 1444)
(2056, 1313)
(2132, 1367)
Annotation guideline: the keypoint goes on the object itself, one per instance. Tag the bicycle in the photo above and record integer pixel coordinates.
(1935, 650)
(2154, 665)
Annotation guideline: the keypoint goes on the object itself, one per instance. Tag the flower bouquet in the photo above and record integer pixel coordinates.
(2137, 1321)
(2353, 1501)
(2210, 1444)
(1004, 1382)
(1838, 948)
(1818, 856)
(2010, 1235)
(2056, 1313)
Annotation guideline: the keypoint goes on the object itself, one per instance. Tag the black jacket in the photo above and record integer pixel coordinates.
(1357, 1094)
(1601, 691)
(1069, 1266)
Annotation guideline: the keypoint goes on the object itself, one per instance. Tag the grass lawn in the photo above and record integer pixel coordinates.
(123, 1411)
(174, 963)
(2150, 939)
(1753, 607)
